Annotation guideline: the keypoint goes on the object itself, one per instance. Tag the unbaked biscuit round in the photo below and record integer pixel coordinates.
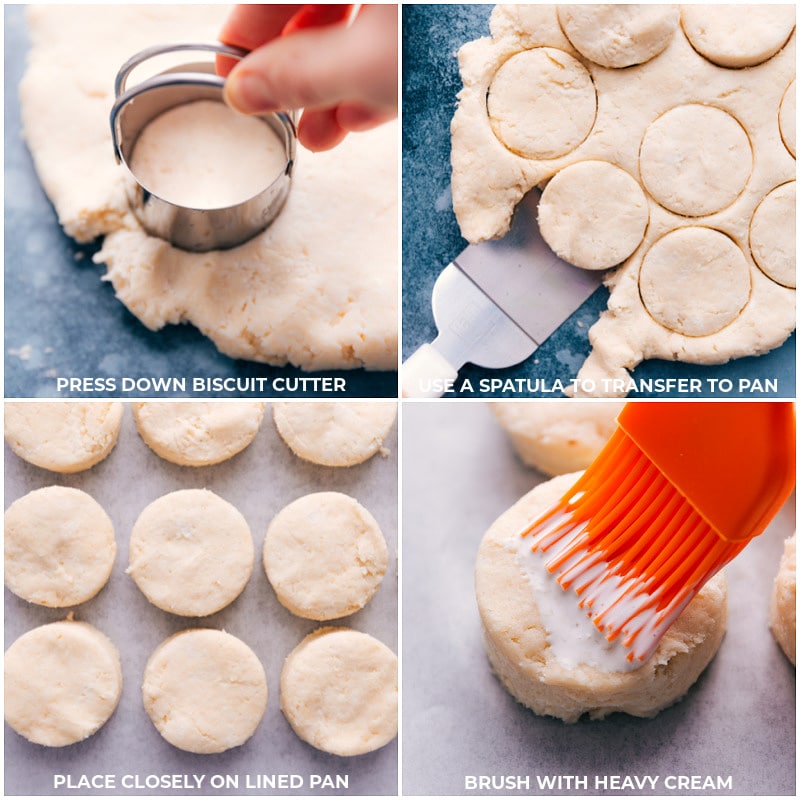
(694, 281)
(783, 602)
(59, 547)
(62, 683)
(557, 437)
(62, 436)
(737, 35)
(334, 434)
(339, 691)
(542, 103)
(550, 656)
(325, 556)
(593, 214)
(191, 553)
(204, 690)
(772, 235)
(695, 159)
(619, 35)
(198, 434)
(787, 118)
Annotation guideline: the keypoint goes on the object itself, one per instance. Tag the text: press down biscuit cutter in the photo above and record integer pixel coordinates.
(194, 229)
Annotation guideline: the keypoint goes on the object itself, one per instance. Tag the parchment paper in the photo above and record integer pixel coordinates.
(459, 475)
(259, 482)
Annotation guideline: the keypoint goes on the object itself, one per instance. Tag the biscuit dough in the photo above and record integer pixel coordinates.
(787, 118)
(325, 556)
(62, 437)
(191, 553)
(302, 292)
(62, 683)
(783, 602)
(772, 236)
(339, 691)
(619, 35)
(552, 659)
(198, 434)
(204, 690)
(232, 158)
(557, 437)
(59, 547)
(598, 228)
(334, 434)
(488, 179)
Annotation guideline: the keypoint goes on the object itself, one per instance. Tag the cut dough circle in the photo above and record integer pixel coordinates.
(339, 691)
(619, 35)
(787, 118)
(59, 547)
(558, 437)
(695, 159)
(542, 103)
(549, 655)
(772, 235)
(694, 281)
(198, 434)
(62, 437)
(62, 683)
(783, 601)
(204, 690)
(334, 434)
(593, 214)
(191, 553)
(737, 35)
(325, 556)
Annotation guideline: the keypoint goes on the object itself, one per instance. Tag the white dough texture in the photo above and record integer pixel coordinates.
(773, 240)
(339, 691)
(204, 690)
(325, 556)
(787, 118)
(62, 437)
(191, 553)
(62, 683)
(783, 602)
(334, 434)
(317, 289)
(59, 547)
(713, 107)
(522, 649)
(198, 434)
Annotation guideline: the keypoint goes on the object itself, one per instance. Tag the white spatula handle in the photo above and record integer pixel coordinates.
(427, 373)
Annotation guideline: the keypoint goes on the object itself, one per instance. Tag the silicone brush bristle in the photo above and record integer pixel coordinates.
(630, 545)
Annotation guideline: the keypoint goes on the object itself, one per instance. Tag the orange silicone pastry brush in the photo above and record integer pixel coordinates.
(678, 491)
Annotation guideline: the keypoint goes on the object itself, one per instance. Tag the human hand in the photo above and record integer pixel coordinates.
(344, 77)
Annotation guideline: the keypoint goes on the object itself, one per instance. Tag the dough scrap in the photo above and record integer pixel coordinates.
(317, 289)
(334, 434)
(738, 35)
(191, 553)
(198, 434)
(59, 547)
(787, 118)
(593, 214)
(567, 672)
(339, 691)
(325, 556)
(557, 437)
(783, 601)
(204, 690)
(62, 437)
(619, 35)
(62, 683)
(772, 236)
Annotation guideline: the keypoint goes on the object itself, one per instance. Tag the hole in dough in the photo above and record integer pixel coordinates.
(695, 159)
(593, 214)
(737, 35)
(619, 35)
(542, 103)
(787, 118)
(694, 281)
(772, 235)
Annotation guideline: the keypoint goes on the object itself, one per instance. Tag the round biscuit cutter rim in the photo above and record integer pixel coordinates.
(197, 75)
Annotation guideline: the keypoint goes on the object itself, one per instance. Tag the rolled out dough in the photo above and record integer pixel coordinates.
(783, 602)
(303, 292)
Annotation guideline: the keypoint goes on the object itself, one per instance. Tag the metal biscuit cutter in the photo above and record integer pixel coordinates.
(195, 229)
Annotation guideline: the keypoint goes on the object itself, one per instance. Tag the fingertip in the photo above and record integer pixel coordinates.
(248, 93)
(355, 117)
(319, 131)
